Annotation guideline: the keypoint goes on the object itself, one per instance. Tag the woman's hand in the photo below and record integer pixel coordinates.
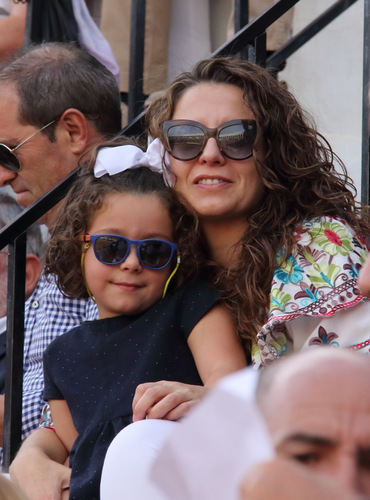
(165, 400)
(364, 278)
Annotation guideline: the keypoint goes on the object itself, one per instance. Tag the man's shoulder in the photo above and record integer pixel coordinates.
(47, 287)
(47, 296)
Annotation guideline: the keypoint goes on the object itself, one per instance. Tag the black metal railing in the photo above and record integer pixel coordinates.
(14, 235)
(250, 42)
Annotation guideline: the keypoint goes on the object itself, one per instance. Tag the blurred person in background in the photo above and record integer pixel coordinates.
(9, 210)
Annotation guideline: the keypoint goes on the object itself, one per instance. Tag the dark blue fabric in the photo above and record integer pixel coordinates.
(96, 368)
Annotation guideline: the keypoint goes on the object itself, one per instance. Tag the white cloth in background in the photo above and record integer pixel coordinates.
(92, 39)
(5, 7)
(129, 459)
(205, 455)
(212, 449)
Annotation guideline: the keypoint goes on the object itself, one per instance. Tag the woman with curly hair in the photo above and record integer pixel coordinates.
(270, 222)
(276, 226)
(278, 223)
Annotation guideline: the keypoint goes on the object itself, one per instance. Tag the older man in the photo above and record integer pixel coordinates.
(317, 409)
(9, 210)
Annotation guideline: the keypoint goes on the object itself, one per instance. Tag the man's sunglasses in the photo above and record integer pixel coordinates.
(185, 139)
(113, 249)
(8, 159)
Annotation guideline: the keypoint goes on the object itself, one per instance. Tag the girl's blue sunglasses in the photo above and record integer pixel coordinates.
(113, 249)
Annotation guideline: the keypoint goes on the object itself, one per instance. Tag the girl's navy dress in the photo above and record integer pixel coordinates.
(97, 366)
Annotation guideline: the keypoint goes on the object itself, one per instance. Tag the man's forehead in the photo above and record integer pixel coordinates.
(9, 90)
(326, 429)
(308, 396)
(9, 112)
(321, 368)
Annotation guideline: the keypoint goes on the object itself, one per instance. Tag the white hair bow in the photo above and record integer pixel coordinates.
(115, 159)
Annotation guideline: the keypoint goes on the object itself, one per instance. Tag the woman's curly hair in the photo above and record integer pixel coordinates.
(303, 178)
(86, 196)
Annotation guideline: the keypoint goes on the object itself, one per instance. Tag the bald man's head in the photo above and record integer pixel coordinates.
(317, 408)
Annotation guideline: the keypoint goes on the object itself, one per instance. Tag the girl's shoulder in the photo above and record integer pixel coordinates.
(67, 340)
(194, 290)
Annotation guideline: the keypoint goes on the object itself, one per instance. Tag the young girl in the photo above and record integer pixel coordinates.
(115, 242)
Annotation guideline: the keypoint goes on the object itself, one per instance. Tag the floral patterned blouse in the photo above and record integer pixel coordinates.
(314, 298)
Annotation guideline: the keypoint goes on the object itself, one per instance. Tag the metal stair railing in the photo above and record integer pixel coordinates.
(250, 42)
(14, 235)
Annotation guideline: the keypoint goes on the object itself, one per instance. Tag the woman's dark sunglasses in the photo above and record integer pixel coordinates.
(185, 139)
(113, 249)
(8, 159)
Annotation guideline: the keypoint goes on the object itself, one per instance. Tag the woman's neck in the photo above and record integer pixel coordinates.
(222, 238)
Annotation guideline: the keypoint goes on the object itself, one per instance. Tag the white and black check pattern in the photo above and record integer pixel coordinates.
(48, 314)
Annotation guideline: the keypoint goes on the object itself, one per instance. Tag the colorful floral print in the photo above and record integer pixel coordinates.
(317, 280)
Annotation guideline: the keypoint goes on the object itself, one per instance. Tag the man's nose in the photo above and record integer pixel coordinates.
(349, 474)
(6, 176)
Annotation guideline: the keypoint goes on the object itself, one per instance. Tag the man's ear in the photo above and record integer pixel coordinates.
(33, 271)
(75, 125)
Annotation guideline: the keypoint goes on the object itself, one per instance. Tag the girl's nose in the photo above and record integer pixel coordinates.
(131, 262)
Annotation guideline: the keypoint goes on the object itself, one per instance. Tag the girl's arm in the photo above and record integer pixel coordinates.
(38, 467)
(217, 352)
(63, 423)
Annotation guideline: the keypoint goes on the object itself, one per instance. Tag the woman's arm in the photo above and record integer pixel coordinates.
(215, 346)
(216, 351)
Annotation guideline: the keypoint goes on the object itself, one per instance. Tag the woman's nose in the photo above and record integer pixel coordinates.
(211, 153)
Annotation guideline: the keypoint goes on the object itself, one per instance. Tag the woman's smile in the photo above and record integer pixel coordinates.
(213, 184)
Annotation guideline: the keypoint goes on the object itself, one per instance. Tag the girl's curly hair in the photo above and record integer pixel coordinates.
(302, 176)
(86, 196)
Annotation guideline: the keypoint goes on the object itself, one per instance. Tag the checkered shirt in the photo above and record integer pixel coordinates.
(48, 314)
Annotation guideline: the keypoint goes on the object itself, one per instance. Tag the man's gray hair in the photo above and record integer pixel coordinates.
(9, 210)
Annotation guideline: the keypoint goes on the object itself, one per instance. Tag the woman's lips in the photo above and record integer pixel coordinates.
(205, 180)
